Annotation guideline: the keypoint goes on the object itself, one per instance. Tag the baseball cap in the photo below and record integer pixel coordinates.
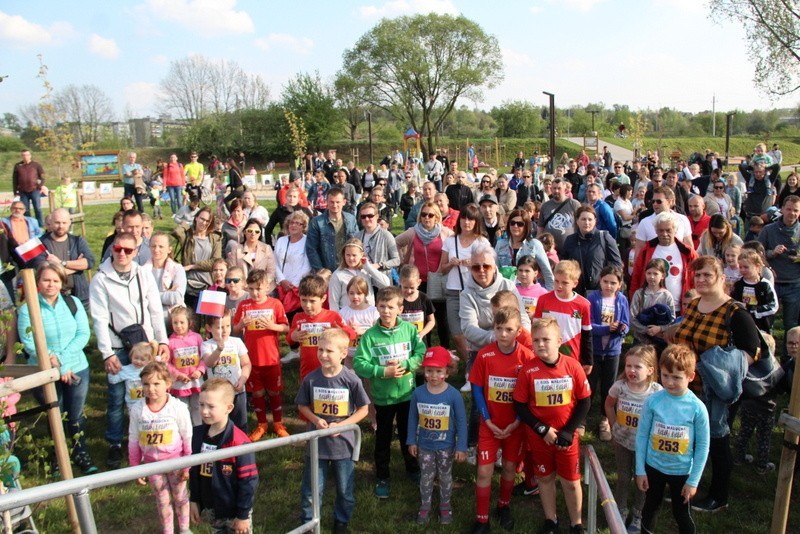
(436, 357)
(488, 198)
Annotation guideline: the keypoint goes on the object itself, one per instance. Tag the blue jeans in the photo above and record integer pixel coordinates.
(175, 197)
(71, 400)
(344, 475)
(35, 198)
(789, 297)
(115, 414)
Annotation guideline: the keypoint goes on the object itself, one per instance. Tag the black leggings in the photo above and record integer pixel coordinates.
(655, 495)
(721, 460)
(603, 375)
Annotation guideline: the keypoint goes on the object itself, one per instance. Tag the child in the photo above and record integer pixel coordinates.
(359, 314)
(756, 224)
(138, 182)
(308, 324)
(571, 310)
(354, 264)
(623, 406)
(140, 354)
(67, 194)
(260, 319)
(493, 377)
(610, 323)
(417, 307)
(219, 269)
(234, 286)
(227, 499)
(437, 433)
(757, 294)
(732, 272)
(654, 293)
(505, 298)
(226, 357)
(387, 355)
(155, 198)
(185, 365)
(672, 441)
(688, 297)
(161, 429)
(331, 396)
(552, 398)
(527, 283)
(549, 244)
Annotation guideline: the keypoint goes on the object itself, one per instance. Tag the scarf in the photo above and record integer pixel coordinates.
(426, 236)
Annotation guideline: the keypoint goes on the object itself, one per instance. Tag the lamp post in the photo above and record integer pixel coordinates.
(728, 120)
(551, 154)
(593, 112)
(369, 132)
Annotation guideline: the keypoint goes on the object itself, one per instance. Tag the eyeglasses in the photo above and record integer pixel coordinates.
(232, 280)
(657, 201)
(252, 232)
(792, 343)
(617, 166)
(485, 182)
(127, 250)
(204, 221)
(367, 216)
(719, 187)
(478, 267)
(427, 215)
(517, 223)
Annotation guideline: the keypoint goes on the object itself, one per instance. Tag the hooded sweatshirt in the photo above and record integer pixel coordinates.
(475, 310)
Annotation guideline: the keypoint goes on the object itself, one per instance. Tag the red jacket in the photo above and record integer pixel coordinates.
(646, 254)
(451, 219)
(698, 228)
(173, 175)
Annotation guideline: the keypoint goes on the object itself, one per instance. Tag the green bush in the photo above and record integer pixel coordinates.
(11, 144)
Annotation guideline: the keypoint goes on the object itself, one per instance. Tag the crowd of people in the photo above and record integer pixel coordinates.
(534, 280)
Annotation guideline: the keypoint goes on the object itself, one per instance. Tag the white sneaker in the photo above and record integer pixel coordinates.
(467, 387)
(635, 526)
(291, 356)
(499, 461)
(472, 456)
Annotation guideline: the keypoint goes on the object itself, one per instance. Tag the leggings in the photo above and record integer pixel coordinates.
(655, 495)
(626, 460)
(386, 417)
(604, 373)
(433, 464)
(761, 422)
(163, 486)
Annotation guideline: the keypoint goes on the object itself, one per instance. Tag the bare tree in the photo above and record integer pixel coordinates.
(86, 108)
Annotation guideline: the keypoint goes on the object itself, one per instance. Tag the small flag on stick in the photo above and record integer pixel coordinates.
(211, 303)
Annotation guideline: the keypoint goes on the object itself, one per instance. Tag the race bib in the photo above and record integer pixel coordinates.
(434, 416)
(136, 392)
(186, 357)
(392, 351)
(530, 304)
(417, 318)
(749, 297)
(252, 315)
(501, 389)
(205, 469)
(227, 359)
(670, 439)
(553, 391)
(628, 413)
(155, 438)
(331, 402)
(314, 330)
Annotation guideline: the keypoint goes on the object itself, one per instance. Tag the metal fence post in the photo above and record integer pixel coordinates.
(315, 504)
(592, 500)
(83, 505)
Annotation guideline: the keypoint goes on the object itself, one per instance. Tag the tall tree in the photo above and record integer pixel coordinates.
(773, 35)
(351, 99)
(312, 100)
(85, 108)
(417, 67)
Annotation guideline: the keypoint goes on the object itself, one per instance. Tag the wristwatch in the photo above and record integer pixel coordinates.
(64, 263)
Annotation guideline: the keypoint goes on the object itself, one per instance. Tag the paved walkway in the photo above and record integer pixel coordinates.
(617, 152)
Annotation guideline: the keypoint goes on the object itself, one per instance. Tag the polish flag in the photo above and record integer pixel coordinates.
(211, 303)
(30, 249)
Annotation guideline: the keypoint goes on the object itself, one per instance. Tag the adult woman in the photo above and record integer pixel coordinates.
(593, 249)
(486, 186)
(718, 201)
(702, 328)
(718, 237)
(234, 180)
(517, 241)
(126, 203)
(252, 210)
(279, 216)
(196, 250)
(66, 330)
(233, 228)
(170, 276)
(792, 187)
(291, 263)
(252, 253)
(457, 252)
(369, 178)
(623, 207)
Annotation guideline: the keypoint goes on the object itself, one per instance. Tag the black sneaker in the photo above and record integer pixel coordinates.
(84, 461)
(549, 527)
(522, 490)
(114, 459)
(505, 518)
(480, 528)
(340, 528)
(709, 504)
(577, 529)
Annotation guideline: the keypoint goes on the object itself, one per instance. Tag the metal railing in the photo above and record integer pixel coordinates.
(596, 480)
(80, 487)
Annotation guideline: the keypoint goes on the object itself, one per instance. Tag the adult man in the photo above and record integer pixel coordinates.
(681, 204)
(20, 229)
(72, 252)
(121, 295)
(329, 165)
(348, 190)
(442, 157)
(781, 240)
(526, 190)
(776, 155)
(557, 215)
(572, 175)
(506, 197)
(449, 215)
(607, 159)
(663, 200)
(633, 174)
(380, 248)
(434, 170)
(491, 222)
(760, 191)
(460, 193)
(354, 177)
(516, 179)
(327, 233)
(133, 224)
(129, 188)
(698, 218)
(397, 157)
(619, 175)
(428, 194)
(27, 180)
(395, 181)
(194, 172)
(604, 212)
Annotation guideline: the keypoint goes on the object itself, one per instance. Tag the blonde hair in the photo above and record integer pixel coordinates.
(355, 243)
(222, 385)
(647, 353)
(569, 268)
(158, 369)
(360, 283)
(143, 349)
(336, 336)
(545, 322)
(504, 298)
(751, 256)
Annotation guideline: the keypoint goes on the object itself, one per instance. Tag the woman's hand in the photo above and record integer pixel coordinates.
(68, 377)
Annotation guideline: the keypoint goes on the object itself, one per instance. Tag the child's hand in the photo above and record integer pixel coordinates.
(654, 330)
(393, 370)
(687, 492)
(240, 526)
(495, 429)
(194, 513)
(511, 428)
(644, 485)
(196, 375)
(320, 423)
(267, 322)
(182, 378)
(550, 437)
(299, 336)
(460, 457)
(412, 450)
(239, 387)
(142, 481)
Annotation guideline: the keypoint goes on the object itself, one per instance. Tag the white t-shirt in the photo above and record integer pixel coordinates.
(625, 207)
(229, 365)
(449, 246)
(647, 230)
(674, 280)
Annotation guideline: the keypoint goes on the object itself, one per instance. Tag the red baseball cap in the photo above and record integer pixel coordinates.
(436, 357)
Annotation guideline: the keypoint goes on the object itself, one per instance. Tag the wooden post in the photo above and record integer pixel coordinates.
(783, 491)
(49, 389)
(497, 153)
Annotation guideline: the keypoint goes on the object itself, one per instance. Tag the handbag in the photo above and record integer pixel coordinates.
(290, 299)
(437, 282)
(132, 334)
(764, 374)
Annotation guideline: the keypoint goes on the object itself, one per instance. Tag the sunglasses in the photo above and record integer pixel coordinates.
(252, 232)
(127, 250)
(427, 215)
(367, 216)
(657, 201)
(519, 224)
(478, 267)
(232, 280)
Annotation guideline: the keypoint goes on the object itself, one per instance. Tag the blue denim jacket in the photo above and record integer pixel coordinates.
(321, 240)
(722, 371)
(531, 247)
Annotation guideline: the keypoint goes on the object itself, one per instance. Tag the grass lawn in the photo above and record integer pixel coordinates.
(130, 508)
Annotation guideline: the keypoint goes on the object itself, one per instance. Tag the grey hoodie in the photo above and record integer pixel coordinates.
(475, 310)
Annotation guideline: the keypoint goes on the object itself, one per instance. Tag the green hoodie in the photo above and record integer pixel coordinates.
(377, 346)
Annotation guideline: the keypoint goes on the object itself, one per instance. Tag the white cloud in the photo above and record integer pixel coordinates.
(159, 59)
(15, 30)
(395, 8)
(514, 60)
(141, 97)
(200, 14)
(299, 45)
(103, 47)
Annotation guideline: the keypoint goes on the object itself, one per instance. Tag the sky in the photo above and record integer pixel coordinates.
(646, 54)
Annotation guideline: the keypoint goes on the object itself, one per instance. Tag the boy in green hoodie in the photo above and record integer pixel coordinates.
(388, 354)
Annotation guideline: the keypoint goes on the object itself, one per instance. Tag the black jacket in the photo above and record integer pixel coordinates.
(593, 251)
